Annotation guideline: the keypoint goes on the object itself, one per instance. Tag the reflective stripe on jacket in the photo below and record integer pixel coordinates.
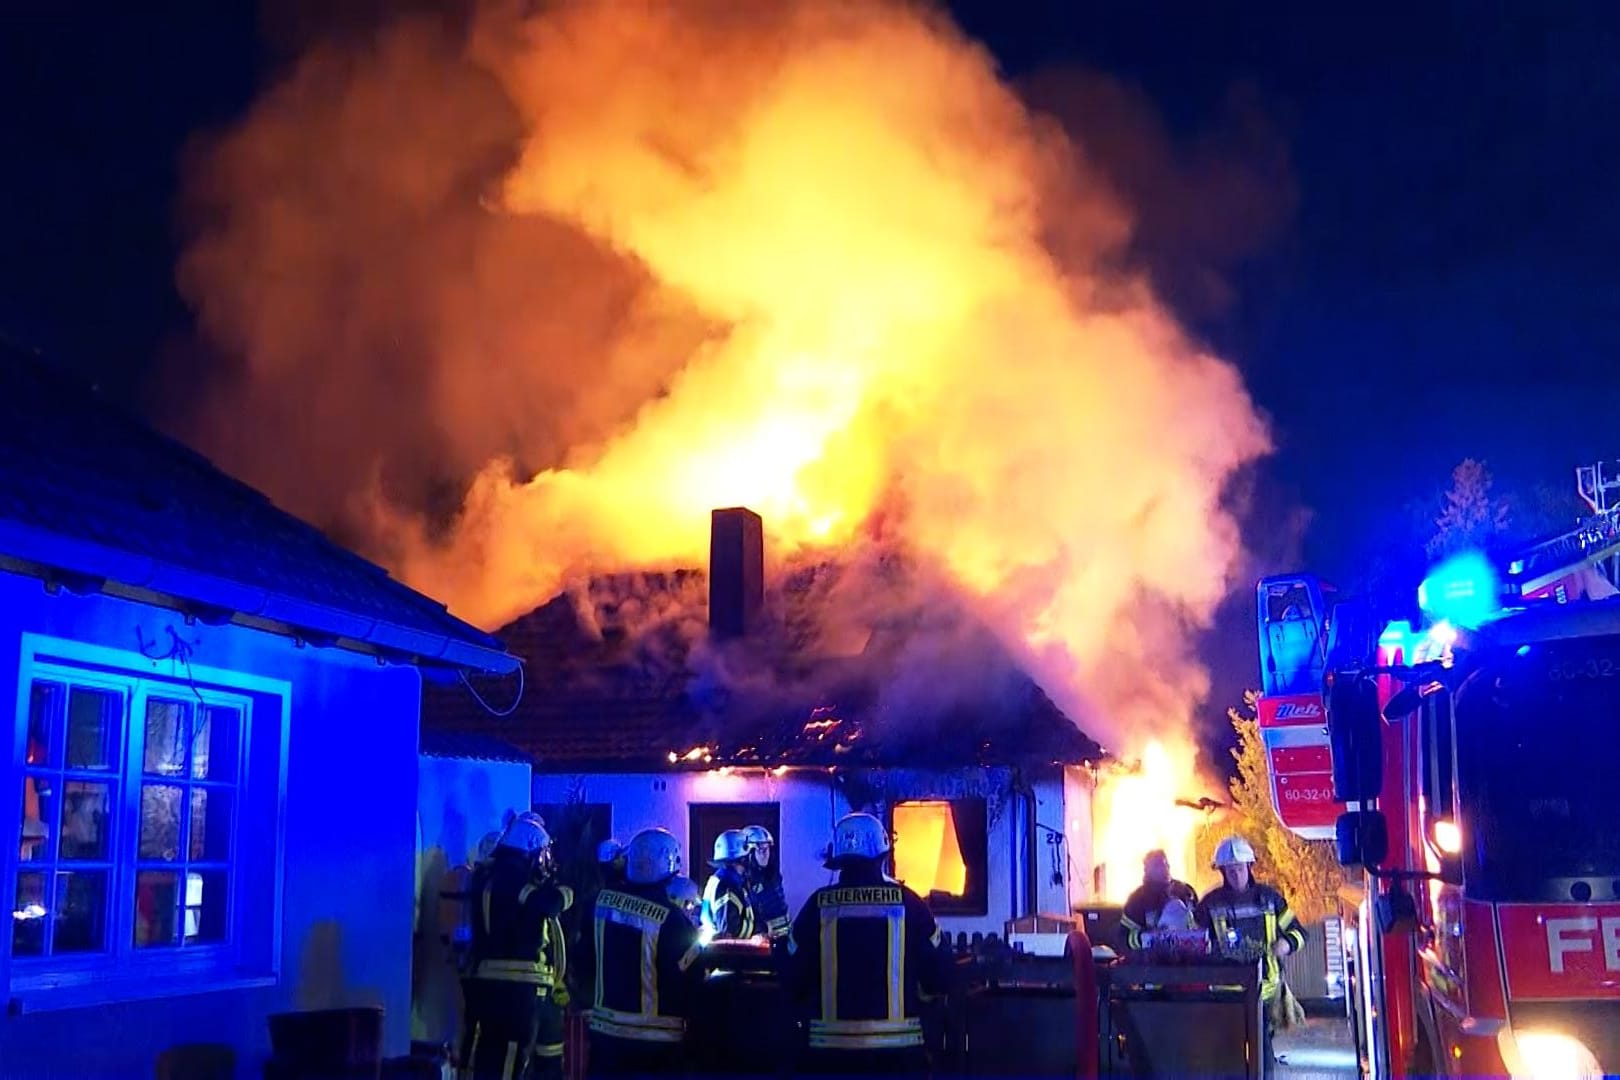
(646, 953)
(1245, 926)
(865, 950)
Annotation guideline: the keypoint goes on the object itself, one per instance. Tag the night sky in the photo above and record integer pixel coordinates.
(1441, 285)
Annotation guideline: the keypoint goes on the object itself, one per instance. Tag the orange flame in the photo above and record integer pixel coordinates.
(861, 205)
(854, 219)
(1136, 812)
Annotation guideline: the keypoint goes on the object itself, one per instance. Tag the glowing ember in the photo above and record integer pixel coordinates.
(820, 729)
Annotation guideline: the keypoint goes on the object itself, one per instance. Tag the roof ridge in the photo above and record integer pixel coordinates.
(137, 490)
(130, 417)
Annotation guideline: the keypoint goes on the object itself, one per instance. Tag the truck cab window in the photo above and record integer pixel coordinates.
(1438, 794)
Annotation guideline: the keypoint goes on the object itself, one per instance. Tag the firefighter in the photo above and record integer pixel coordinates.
(728, 912)
(515, 993)
(685, 895)
(1142, 909)
(865, 951)
(764, 877)
(646, 965)
(1249, 920)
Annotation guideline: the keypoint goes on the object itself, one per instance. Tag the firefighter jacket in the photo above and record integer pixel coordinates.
(581, 931)
(1245, 925)
(769, 902)
(865, 951)
(727, 910)
(516, 935)
(1142, 908)
(646, 953)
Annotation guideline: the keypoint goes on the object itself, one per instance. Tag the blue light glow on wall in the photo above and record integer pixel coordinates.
(330, 922)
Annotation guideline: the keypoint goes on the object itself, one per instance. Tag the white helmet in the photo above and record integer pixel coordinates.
(757, 836)
(728, 846)
(653, 855)
(684, 894)
(1234, 850)
(609, 850)
(859, 836)
(527, 834)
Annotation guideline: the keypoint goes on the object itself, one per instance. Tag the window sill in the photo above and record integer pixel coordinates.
(40, 996)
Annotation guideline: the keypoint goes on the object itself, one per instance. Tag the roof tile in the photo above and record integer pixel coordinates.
(80, 469)
(628, 702)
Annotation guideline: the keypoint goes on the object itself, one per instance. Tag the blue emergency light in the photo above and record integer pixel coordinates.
(1464, 590)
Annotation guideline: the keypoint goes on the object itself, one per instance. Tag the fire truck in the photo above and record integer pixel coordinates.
(1465, 761)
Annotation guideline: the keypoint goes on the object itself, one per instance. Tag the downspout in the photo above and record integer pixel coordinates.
(1025, 853)
(1032, 850)
(1016, 836)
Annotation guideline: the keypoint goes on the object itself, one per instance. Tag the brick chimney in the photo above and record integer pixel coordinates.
(736, 571)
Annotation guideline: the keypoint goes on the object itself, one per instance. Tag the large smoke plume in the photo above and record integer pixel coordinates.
(529, 298)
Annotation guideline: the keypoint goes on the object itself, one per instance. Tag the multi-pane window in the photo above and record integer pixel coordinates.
(71, 780)
(183, 859)
(131, 793)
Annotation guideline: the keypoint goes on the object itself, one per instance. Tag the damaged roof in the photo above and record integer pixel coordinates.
(625, 678)
(95, 500)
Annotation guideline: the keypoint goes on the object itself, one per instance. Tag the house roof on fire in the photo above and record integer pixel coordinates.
(623, 677)
(93, 500)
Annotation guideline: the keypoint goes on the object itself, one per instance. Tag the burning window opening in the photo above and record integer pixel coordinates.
(927, 852)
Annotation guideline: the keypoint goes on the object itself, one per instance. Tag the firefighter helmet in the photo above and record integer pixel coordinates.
(609, 851)
(858, 836)
(685, 895)
(759, 842)
(526, 834)
(1234, 850)
(652, 856)
(729, 846)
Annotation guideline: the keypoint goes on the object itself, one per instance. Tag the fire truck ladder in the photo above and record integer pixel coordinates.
(1594, 542)
(1296, 610)
(1599, 486)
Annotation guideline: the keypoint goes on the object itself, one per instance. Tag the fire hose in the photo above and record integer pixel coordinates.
(1085, 1006)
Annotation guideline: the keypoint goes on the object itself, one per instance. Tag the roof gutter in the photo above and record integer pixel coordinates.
(51, 557)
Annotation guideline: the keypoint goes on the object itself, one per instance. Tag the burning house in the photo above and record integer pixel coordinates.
(845, 277)
(197, 678)
(703, 702)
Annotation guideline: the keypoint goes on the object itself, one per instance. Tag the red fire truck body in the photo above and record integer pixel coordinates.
(1469, 778)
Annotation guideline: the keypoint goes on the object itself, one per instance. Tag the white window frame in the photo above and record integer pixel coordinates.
(251, 953)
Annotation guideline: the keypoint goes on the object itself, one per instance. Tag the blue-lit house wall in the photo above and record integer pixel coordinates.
(459, 800)
(298, 884)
